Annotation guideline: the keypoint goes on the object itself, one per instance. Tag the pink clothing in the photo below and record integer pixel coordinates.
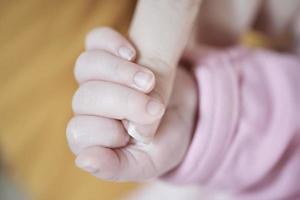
(247, 138)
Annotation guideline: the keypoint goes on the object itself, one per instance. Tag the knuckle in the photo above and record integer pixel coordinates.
(97, 33)
(73, 135)
(104, 29)
(81, 61)
(87, 99)
(87, 57)
(76, 100)
(79, 98)
(82, 58)
(88, 61)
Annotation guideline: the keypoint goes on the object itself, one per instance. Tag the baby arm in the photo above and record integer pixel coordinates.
(247, 139)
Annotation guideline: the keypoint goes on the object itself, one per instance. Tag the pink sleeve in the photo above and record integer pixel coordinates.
(247, 140)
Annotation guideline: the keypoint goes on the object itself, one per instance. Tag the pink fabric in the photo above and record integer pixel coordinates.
(247, 139)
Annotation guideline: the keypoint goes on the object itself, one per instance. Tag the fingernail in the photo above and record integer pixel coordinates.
(155, 108)
(143, 80)
(126, 53)
(136, 135)
(86, 165)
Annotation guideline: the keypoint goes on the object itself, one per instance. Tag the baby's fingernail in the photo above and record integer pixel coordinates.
(155, 108)
(86, 164)
(136, 135)
(126, 53)
(143, 80)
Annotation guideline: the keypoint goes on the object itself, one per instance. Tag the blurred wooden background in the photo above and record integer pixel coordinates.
(39, 42)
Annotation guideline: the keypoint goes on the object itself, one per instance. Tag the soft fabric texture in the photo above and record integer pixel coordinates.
(247, 138)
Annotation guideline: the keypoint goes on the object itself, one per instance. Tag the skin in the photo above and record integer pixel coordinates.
(107, 95)
(160, 31)
(110, 102)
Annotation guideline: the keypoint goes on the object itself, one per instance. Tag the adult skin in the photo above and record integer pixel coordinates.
(160, 31)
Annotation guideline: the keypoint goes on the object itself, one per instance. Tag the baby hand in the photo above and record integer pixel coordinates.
(109, 95)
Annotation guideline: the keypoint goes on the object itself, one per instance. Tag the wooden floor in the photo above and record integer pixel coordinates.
(39, 41)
